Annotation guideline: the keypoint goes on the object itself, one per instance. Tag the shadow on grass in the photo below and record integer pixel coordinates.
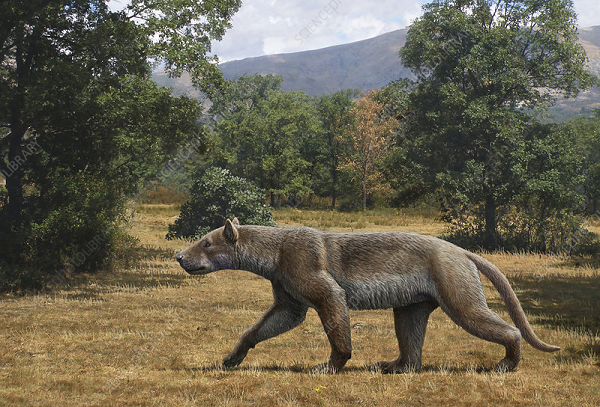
(92, 286)
(568, 303)
(304, 369)
(588, 351)
(564, 302)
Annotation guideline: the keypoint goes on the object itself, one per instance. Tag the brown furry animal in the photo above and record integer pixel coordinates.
(336, 272)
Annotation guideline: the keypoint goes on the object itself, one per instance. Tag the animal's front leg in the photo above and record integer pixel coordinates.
(280, 318)
(336, 321)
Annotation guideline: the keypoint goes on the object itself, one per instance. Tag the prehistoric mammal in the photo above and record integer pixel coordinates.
(335, 272)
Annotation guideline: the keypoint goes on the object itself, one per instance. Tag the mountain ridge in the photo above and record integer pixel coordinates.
(365, 65)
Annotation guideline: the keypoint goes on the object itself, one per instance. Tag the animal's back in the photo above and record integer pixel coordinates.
(382, 269)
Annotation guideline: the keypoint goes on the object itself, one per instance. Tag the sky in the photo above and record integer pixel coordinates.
(264, 27)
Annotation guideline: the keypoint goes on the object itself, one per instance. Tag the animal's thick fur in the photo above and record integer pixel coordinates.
(336, 272)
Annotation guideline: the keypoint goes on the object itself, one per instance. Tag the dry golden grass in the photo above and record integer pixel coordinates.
(151, 335)
(407, 220)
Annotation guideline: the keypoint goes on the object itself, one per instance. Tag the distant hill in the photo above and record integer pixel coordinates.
(585, 102)
(366, 65)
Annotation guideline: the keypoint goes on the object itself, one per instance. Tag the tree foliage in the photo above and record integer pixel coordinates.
(478, 63)
(290, 144)
(267, 135)
(587, 131)
(182, 32)
(369, 138)
(83, 125)
(335, 116)
(539, 206)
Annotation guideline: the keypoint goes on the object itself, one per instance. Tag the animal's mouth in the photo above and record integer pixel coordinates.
(197, 270)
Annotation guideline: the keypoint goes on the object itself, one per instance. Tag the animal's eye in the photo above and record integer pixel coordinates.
(207, 244)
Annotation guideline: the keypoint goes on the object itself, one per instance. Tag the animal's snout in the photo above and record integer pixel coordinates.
(179, 257)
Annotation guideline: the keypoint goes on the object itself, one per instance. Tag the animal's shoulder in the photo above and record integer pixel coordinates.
(303, 233)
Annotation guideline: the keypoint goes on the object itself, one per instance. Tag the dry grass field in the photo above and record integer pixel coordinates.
(152, 335)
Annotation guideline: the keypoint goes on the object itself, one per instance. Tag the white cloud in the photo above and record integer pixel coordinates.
(268, 26)
(274, 45)
(265, 26)
(588, 12)
(357, 28)
(117, 5)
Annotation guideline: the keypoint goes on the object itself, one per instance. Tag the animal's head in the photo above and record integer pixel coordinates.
(215, 251)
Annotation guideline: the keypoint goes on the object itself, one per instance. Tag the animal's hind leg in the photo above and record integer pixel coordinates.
(486, 324)
(468, 308)
(462, 298)
(410, 325)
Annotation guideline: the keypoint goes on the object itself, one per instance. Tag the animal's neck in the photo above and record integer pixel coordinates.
(258, 250)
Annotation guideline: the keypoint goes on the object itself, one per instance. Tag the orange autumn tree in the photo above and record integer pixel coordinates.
(368, 139)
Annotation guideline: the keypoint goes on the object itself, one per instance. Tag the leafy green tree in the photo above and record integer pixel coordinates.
(229, 112)
(540, 202)
(51, 51)
(181, 32)
(587, 130)
(241, 95)
(285, 124)
(478, 62)
(216, 196)
(83, 124)
(334, 113)
(267, 135)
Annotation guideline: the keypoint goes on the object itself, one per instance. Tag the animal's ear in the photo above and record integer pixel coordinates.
(235, 222)
(230, 232)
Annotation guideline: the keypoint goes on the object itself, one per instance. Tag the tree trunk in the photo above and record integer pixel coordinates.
(334, 177)
(14, 181)
(541, 235)
(489, 236)
(364, 194)
(14, 207)
(13, 171)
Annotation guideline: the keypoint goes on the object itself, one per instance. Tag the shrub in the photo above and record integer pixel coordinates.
(521, 228)
(215, 196)
(71, 227)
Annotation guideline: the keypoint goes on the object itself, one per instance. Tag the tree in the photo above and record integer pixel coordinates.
(216, 196)
(241, 95)
(51, 50)
(182, 32)
(587, 130)
(232, 147)
(285, 124)
(84, 123)
(334, 112)
(478, 63)
(267, 135)
(369, 139)
(540, 206)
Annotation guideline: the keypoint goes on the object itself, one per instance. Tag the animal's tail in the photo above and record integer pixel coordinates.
(513, 305)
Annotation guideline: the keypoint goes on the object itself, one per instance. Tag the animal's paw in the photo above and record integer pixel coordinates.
(506, 365)
(233, 360)
(324, 368)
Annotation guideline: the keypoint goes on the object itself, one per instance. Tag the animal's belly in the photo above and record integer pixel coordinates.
(388, 292)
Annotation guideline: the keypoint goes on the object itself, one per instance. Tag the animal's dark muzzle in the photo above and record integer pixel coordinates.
(189, 266)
